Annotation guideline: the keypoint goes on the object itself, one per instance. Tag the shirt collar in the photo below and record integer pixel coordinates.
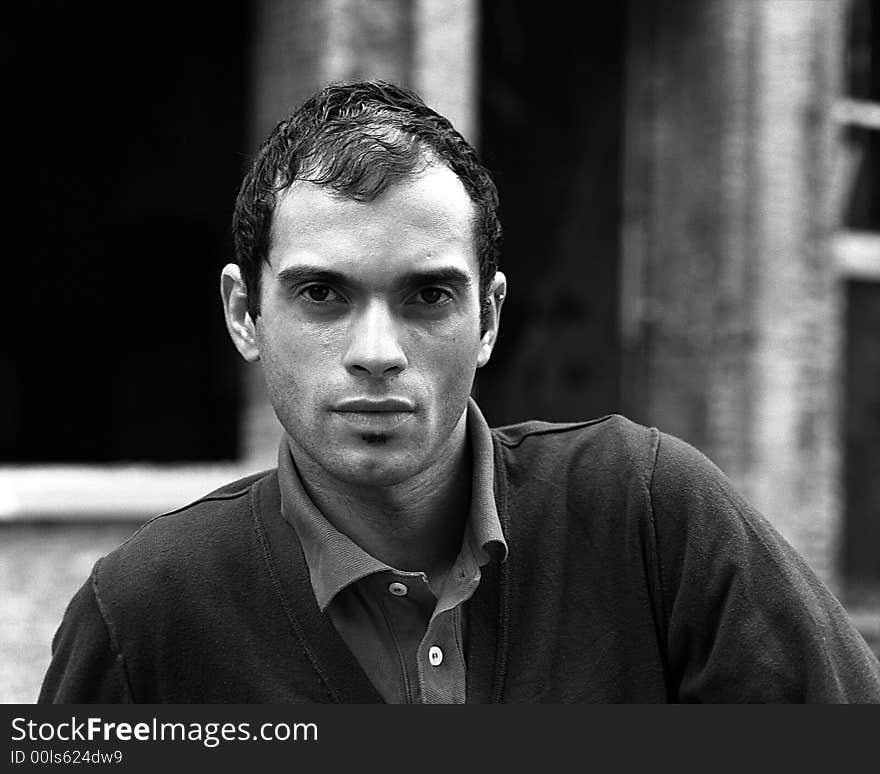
(335, 561)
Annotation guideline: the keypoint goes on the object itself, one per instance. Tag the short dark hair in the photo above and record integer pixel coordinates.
(358, 139)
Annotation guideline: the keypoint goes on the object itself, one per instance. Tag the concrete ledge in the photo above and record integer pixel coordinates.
(97, 493)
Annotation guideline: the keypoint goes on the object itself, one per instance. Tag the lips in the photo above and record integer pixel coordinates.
(390, 405)
(376, 415)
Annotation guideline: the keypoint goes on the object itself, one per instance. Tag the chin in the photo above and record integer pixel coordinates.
(375, 465)
(375, 439)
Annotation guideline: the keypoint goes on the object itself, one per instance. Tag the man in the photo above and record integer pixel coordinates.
(403, 551)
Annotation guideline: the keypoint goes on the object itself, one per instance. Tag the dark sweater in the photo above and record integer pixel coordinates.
(635, 574)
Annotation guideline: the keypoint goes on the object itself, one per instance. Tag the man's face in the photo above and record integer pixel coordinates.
(369, 333)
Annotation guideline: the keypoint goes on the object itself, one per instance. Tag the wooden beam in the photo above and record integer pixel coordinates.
(731, 307)
(853, 112)
(857, 254)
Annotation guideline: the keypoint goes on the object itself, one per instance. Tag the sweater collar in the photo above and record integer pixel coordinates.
(335, 561)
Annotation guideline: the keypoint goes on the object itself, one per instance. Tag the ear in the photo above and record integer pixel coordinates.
(238, 320)
(497, 293)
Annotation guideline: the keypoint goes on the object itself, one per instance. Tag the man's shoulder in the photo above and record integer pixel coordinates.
(228, 498)
(610, 440)
(608, 425)
(231, 491)
(173, 544)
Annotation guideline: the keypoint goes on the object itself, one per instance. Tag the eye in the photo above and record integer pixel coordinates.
(319, 294)
(432, 296)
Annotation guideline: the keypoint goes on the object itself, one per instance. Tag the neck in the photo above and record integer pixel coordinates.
(415, 525)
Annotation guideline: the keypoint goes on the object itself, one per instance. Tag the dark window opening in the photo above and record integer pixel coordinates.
(126, 137)
(861, 399)
(551, 121)
(862, 82)
(862, 432)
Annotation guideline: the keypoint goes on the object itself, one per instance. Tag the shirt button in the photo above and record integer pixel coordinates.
(435, 656)
(398, 589)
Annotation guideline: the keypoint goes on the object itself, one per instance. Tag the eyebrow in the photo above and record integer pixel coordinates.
(294, 275)
(444, 275)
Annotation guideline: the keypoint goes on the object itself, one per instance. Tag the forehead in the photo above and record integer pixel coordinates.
(427, 216)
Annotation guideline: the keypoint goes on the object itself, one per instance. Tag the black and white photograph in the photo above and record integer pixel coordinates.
(441, 352)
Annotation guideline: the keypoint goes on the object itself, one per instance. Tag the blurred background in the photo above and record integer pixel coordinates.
(691, 202)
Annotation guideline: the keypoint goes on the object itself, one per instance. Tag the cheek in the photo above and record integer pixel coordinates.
(297, 350)
(287, 366)
(461, 348)
(454, 362)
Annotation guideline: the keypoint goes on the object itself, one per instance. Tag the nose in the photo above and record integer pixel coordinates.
(374, 347)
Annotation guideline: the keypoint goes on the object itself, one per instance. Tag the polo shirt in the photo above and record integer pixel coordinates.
(406, 630)
(636, 573)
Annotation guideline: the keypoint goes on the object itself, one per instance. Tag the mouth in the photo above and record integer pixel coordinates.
(375, 415)
(390, 405)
